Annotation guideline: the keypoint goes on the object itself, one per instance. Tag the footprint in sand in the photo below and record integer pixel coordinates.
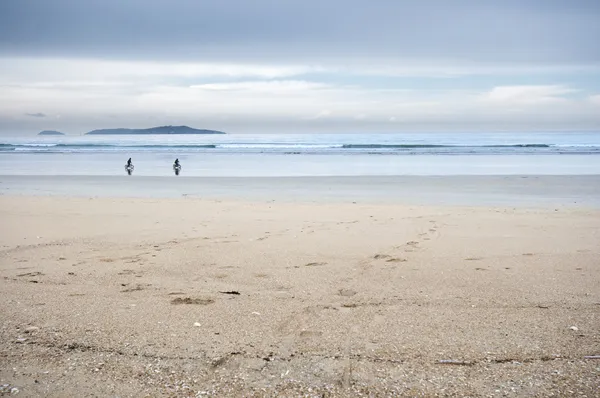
(135, 288)
(381, 256)
(347, 292)
(316, 264)
(126, 272)
(305, 334)
(194, 301)
(388, 258)
(396, 260)
(35, 273)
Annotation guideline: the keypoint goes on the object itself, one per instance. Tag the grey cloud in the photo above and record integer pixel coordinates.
(39, 114)
(510, 31)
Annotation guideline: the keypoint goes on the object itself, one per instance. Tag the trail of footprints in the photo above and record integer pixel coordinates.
(129, 287)
(295, 327)
(410, 246)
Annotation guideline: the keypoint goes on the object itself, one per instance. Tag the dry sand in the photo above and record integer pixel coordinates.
(128, 297)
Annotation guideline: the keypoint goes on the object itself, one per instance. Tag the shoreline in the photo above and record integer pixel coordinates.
(470, 190)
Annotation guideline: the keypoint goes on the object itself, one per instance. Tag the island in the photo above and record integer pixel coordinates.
(154, 130)
(50, 132)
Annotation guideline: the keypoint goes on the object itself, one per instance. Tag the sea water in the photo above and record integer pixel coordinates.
(281, 155)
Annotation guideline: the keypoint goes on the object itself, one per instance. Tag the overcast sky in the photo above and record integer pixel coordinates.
(300, 65)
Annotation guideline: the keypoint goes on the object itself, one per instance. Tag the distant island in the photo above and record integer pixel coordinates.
(50, 132)
(154, 130)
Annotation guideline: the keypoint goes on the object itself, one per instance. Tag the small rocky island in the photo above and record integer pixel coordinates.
(154, 130)
(50, 132)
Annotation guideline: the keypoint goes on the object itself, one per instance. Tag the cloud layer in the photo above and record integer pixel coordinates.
(294, 65)
(521, 31)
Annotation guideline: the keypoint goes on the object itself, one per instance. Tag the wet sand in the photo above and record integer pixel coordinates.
(216, 297)
(472, 190)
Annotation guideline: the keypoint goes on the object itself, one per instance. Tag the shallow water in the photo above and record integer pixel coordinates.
(278, 165)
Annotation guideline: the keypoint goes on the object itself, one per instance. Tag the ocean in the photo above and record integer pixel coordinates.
(282, 155)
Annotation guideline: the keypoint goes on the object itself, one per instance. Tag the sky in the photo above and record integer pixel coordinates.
(292, 66)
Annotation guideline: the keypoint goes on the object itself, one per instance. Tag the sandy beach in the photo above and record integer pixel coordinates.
(123, 297)
(312, 199)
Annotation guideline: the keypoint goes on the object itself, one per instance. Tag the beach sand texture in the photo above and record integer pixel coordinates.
(138, 297)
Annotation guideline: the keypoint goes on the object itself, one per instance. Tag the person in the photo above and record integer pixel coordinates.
(129, 167)
(176, 167)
